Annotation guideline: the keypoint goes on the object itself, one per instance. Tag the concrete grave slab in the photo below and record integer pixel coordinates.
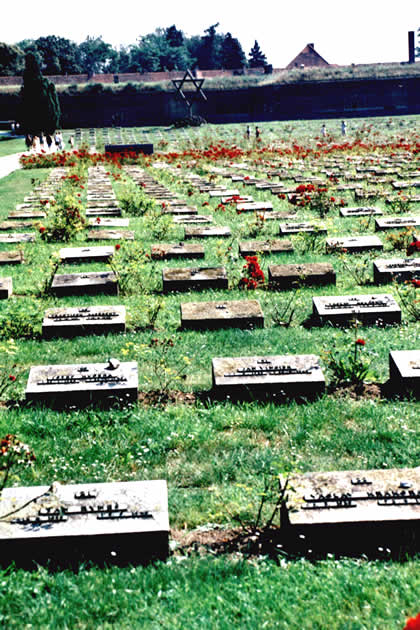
(167, 251)
(188, 278)
(304, 226)
(86, 254)
(17, 237)
(354, 245)
(305, 274)
(87, 320)
(83, 383)
(404, 371)
(6, 288)
(89, 283)
(223, 314)
(360, 212)
(11, 258)
(110, 235)
(393, 223)
(400, 269)
(289, 375)
(209, 232)
(272, 246)
(368, 309)
(116, 522)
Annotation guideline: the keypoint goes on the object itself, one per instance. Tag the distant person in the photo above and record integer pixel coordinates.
(71, 142)
(343, 128)
(49, 141)
(13, 128)
(323, 130)
(28, 141)
(35, 144)
(248, 132)
(257, 133)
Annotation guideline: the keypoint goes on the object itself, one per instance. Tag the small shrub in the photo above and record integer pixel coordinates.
(21, 319)
(348, 365)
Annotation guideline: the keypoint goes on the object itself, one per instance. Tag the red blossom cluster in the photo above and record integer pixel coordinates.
(413, 247)
(413, 623)
(254, 274)
(14, 451)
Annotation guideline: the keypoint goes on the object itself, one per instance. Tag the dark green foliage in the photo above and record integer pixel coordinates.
(256, 56)
(40, 108)
(11, 60)
(209, 53)
(232, 55)
(57, 55)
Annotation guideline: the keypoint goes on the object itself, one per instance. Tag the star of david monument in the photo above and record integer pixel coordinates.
(193, 96)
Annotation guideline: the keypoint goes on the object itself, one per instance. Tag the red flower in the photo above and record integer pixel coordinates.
(413, 623)
(98, 220)
(413, 247)
(117, 246)
(42, 229)
(360, 342)
(12, 377)
(415, 283)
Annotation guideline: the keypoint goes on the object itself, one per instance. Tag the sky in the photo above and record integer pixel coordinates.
(359, 31)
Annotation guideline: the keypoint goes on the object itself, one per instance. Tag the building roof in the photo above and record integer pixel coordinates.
(307, 57)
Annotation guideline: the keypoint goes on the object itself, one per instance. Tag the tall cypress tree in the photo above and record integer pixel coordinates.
(40, 108)
(256, 56)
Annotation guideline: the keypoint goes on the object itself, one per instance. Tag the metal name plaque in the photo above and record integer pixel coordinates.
(101, 518)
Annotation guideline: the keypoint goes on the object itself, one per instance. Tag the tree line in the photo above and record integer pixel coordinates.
(164, 49)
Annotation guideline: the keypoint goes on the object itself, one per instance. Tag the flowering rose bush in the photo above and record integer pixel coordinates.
(13, 453)
(413, 623)
(253, 276)
(348, 365)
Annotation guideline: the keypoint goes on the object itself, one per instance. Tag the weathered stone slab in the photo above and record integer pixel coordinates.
(88, 320)
(103, 212)
(304, 226)
(223, 193)
(117, 522)
(289, 375)
(193, 218)
(110, 235)
(101, 222)
(355, 510)
(207, 232)
(17, 237)
(11, 258)
(180, 210)
(278, 215)
(83, 383)
(305, 274)
(225, 314)
(400, 269)
(355, 244)
(14, 225)
(404, 371)
(186, 279)
(273, 246)
(360, 212)
(30, 214)
(254, 206)
(86, 254)
(237, 199)
(167, 251)
(393, 223)
(368, 309)
(6, 288)
(89, 283)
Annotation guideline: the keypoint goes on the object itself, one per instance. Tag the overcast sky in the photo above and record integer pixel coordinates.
(360, 31)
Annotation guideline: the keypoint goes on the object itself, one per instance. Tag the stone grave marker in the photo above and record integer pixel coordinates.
(14, 225)
(192, 218)
(30, 214)
(222, 192)
(105, 222)
(355, 244)
(17, 237)
(197, 279)
(273, 246)
(304, 226)
(89, 283)
(83, 320)
(225, 314)
(6, 288)
(167, 251)
(399, 269)
(354, 511)
(96, 211)
(289, 375)
(254, 206)
(83, 383)
(86, 254)
(393, 223)
(11, 258)
(110, 235)
(368, 309)
(116, 522)
(237, 199)
(207, 232)
(305, 274)
(404, 371)
(360, 212)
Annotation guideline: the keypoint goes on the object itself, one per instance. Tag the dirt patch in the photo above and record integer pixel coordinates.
(155, 398)
(220, 540)
(356, 392)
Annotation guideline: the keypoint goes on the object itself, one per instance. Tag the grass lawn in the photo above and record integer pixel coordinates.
(214, 453)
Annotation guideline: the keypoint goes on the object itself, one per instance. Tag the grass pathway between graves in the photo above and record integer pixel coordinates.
(213, 455)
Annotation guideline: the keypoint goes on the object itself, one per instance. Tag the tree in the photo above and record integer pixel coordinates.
(96, 55)
(256, 56)
(209, 53)
(57, 55)
(154, 53)
(40, 108)
(174, 37)
(11, 60)
(232, 55)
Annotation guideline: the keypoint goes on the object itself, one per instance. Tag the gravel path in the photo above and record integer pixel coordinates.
(9, 163)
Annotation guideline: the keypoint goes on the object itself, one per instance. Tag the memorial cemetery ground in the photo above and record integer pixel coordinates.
(219, 247)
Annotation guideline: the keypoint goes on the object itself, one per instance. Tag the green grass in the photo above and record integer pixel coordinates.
(211, 453)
